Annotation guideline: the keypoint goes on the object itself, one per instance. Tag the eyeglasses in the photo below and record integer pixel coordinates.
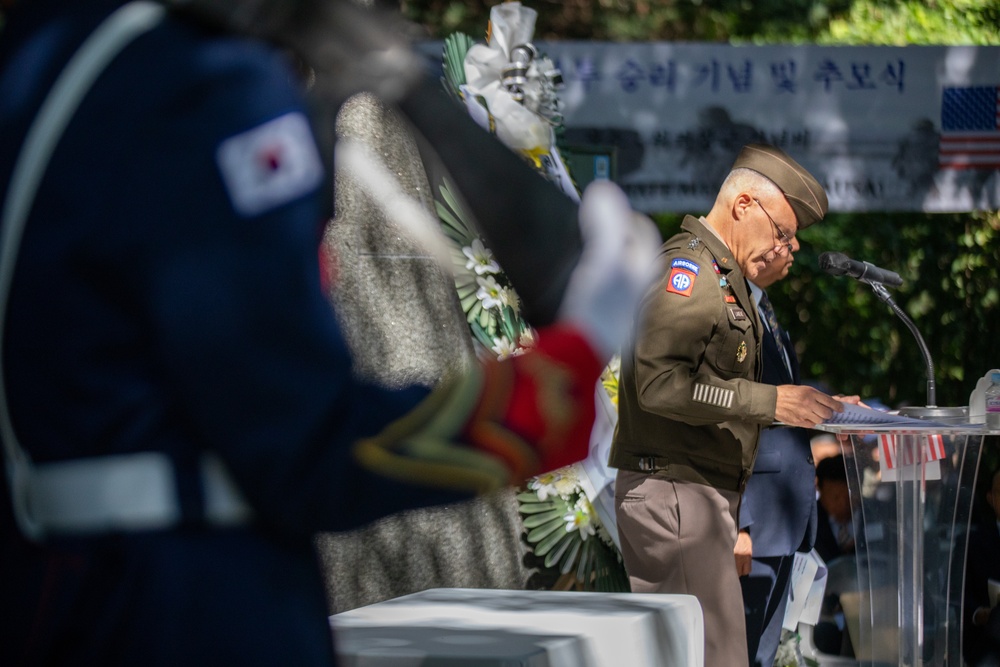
(782, 236)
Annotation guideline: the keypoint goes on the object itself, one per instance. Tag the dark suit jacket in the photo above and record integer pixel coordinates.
(779, 504)
(826, 542)
(982, 564)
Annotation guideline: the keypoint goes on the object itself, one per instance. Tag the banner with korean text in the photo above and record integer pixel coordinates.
(883, 128)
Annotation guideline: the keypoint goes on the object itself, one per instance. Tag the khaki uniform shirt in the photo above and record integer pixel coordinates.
(690, 403)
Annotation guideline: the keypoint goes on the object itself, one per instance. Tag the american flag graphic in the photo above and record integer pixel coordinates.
(909, 451)
(970, 128)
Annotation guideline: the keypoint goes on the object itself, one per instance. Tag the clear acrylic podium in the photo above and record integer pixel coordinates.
(910, 536)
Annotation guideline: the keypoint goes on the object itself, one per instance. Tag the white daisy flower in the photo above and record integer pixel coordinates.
(480, 258)
(490, 292)
(579, 518)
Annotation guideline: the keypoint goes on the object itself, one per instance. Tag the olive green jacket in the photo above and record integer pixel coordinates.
(689, 401)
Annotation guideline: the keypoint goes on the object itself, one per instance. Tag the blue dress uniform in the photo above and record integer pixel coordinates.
(167, 301)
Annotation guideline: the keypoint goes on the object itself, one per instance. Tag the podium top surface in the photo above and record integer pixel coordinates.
(909, 429)
(857, 420)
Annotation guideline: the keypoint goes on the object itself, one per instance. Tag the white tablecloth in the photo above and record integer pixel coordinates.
(484, 628)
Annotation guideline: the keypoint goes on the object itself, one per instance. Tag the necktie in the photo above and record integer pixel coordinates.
(845, 537)
(772, 323)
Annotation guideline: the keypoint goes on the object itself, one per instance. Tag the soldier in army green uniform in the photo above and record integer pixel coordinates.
(691, 404)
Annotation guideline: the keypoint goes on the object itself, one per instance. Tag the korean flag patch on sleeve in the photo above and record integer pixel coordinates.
(270, 165)
(682, 275)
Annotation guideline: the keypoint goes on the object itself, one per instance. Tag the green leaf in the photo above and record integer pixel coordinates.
(551, 541)
(456, 237)
(553, 557)
(537, 507)
(583, 569)
(543, 518)
(465, 291)
(454, 224)
(570, 560)
(456, 46)
(538, 534)
(454, 204)
(468, 301)
(486, 321)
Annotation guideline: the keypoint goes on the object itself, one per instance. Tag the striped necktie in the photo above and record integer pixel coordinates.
(772, 323)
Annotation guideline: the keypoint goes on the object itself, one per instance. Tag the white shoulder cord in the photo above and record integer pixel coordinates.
(117, 31)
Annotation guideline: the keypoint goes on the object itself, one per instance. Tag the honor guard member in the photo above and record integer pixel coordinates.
(691, 404)
(177, 409)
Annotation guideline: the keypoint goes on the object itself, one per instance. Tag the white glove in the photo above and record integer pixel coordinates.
(618, 263)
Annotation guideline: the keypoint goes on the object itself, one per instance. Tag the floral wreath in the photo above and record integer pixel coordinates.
(511, 90)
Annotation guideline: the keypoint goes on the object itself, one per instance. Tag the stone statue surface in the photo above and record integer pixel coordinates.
(401, 317)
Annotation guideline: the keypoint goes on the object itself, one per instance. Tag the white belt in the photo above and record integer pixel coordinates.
(125, 492)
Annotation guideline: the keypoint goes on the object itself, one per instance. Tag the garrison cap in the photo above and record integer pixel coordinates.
(803, 192)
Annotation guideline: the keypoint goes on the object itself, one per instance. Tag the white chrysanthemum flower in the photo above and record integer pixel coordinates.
(567, 484)
(527, 338)
(480, 258)
(503, 348)
(490, 292)
(544, 485)
(511, 300)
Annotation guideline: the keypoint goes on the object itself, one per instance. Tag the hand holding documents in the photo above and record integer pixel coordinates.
(856, 414)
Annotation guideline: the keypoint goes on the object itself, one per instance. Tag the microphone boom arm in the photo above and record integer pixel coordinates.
(883, 294)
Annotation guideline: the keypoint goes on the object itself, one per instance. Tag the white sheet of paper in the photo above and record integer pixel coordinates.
(805, 594)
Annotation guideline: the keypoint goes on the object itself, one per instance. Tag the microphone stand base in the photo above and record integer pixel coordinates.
(945, 415)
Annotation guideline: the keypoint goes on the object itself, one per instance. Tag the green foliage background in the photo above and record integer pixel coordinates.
(844, 335)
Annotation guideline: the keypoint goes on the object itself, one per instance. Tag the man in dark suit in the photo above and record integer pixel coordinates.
(835, 515)
(981, 630)
(778, 511)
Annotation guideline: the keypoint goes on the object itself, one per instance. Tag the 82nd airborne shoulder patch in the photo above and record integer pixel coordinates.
(682, 275)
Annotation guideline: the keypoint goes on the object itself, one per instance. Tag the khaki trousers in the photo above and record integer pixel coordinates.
(678, 537)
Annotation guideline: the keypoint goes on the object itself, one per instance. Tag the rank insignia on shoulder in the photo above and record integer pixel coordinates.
(693, 243)
(741, 352)
(686, 264)
(681, 281)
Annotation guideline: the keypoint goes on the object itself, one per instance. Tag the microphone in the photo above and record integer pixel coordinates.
(839, 264)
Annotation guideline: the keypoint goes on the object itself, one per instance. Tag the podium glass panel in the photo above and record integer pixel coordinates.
(911, 529)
